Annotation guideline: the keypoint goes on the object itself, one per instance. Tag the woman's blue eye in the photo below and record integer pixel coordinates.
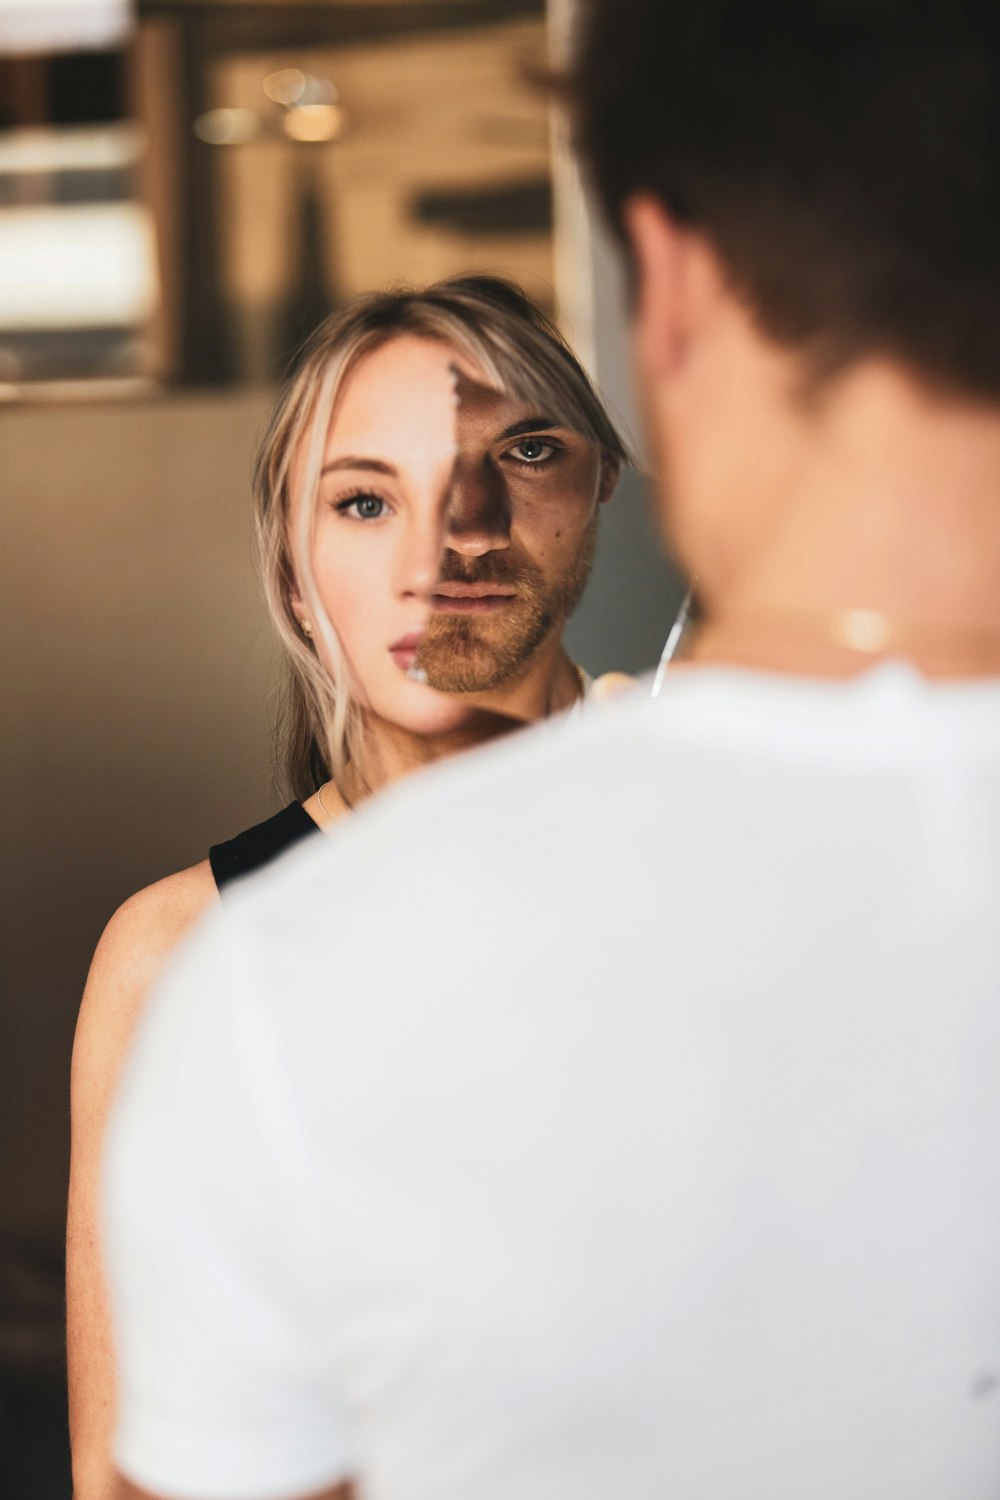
(365, 507)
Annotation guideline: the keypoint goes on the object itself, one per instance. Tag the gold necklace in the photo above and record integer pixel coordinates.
(868, 632)
(329, 814)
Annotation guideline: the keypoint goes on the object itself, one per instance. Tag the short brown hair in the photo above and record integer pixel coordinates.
(843, 156)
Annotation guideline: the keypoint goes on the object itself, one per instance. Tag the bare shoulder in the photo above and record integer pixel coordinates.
(149, 925)
(134, 946)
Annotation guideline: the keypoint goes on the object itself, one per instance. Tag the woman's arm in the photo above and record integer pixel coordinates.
(132, 950)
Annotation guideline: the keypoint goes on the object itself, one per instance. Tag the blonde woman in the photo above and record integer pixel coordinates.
(353, 541)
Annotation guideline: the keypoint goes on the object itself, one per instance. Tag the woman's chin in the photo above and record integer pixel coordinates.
(426, 712)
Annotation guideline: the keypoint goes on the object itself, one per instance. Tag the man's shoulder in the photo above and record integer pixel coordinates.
(559, 853)
(557, 791)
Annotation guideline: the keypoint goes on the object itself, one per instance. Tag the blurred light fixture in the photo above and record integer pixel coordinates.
(307, 110)
(286, 86)
(311, 109)
(314, 122)
(228, 127)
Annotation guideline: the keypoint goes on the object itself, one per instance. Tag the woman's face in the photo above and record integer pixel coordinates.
(392, 510)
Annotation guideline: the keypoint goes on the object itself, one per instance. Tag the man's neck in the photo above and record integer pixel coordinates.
(894, 512)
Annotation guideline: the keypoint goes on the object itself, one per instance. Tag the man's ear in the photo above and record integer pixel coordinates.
(610, 470)
(678, 284)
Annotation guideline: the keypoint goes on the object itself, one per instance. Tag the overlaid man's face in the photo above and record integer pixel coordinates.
(454, 531)
(519, 541)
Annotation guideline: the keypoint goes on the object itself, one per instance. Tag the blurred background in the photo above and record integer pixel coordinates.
(186, 188)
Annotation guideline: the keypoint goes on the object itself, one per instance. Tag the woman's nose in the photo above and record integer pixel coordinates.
(419, 560)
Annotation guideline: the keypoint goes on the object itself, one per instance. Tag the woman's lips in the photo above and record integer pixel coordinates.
(471, 598)
(404, 651)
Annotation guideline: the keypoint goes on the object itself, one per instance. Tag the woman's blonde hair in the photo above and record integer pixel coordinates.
(513, 345)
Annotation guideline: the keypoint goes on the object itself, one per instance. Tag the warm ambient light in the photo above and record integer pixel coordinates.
(286, 86)
(228, 127)
(314, 122)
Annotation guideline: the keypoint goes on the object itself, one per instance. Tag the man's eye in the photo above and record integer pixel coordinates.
(533, 450)
(366, 507)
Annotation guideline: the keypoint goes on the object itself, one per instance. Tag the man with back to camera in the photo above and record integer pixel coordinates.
(616, 1113)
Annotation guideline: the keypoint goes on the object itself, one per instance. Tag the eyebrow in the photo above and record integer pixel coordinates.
(370, 465)
(529, 424)
(379, 466)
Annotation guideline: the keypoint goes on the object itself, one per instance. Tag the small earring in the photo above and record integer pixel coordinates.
(306, 629)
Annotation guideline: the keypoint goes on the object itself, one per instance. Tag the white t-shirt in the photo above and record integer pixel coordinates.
(613, 1113)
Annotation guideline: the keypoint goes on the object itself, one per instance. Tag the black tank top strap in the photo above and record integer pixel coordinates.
(258, 846)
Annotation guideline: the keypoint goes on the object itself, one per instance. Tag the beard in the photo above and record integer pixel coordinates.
(477, 653)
